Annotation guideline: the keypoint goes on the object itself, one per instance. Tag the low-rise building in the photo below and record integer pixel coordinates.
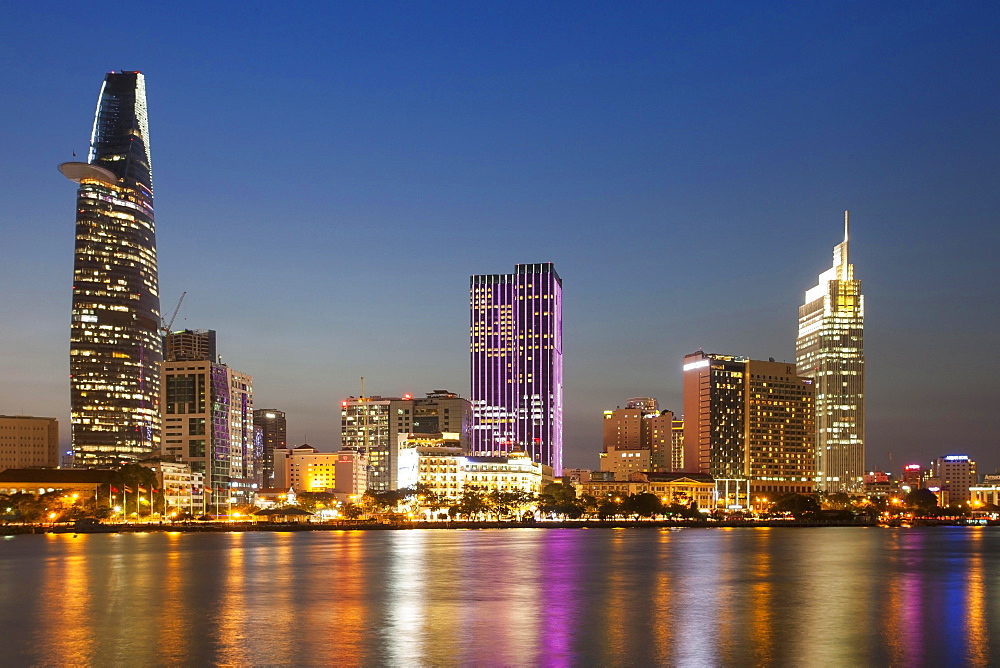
(671, 487)
(447, 472)
(183, 489)
(306, 469)
(626, 461)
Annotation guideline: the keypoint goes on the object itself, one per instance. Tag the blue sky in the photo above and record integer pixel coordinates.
(327, 178)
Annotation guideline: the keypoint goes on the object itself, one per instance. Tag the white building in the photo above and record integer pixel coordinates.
(183, 489)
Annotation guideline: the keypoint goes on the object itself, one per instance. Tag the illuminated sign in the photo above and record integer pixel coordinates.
(695, 365)
(956, 458)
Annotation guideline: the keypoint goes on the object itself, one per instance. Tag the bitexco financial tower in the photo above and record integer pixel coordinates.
(115, 345)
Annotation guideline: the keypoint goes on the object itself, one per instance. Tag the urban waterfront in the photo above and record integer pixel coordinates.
(792, 596)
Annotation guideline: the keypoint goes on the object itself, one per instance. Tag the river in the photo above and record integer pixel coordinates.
(832, 596)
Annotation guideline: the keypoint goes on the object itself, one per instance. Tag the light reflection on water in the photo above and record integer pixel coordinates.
(692, 597)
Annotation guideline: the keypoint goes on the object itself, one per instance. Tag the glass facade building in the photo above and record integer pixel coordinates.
(750, 422)
(515, 345)
(274, 436)
(115, 345)
(830, 349)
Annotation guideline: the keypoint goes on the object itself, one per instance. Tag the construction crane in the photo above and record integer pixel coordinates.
(164, 325)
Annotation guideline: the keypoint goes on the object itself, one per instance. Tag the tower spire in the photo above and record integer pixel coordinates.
(847, 224)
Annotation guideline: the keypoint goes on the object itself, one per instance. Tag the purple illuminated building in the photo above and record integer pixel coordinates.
(515, 344)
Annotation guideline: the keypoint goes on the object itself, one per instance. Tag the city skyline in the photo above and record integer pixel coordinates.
(684, 171)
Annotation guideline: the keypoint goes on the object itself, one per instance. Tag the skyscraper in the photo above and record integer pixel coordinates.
(830, 349)
(115, 346)
(515, 335)
(274, 435)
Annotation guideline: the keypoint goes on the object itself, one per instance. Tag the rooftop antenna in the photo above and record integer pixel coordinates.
(362, 387)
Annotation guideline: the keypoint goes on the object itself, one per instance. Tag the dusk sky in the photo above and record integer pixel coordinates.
(328, 177)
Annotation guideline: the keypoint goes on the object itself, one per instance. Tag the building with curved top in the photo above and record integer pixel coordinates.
(115, 345)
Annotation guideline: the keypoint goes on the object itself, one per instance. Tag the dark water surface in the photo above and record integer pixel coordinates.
(691, 597)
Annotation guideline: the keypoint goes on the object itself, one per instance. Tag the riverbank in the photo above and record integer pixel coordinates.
(348, 525)
(196, 527)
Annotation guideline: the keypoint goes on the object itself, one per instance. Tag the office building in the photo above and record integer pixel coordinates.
(749, 420)
(115, 346)
(641, 425)
(208, 424)
(380, 426)
(954, 476)
(351, 473)
(274, 436)
(515, 335)
(622, 463)
(830, 350)
(28, 441)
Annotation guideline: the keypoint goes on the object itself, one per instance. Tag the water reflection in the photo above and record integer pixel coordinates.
(513, 597)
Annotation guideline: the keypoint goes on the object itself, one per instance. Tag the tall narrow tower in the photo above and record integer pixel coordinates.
(515, 345)
(115, 346)
(830, 350)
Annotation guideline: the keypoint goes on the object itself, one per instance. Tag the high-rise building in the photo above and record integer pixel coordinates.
(749, 420)
(830, 350)
(515, 335)
(27, 441)
(274, 436)
(379, 427)
(190, 344)
(115, 346)
(953, 476)
(208, 423)
(641, 425)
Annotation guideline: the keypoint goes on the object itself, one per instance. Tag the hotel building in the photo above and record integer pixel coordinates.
(750, 422)
(515, 347)
(830, 350)
(447, 472)
(115, 346)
